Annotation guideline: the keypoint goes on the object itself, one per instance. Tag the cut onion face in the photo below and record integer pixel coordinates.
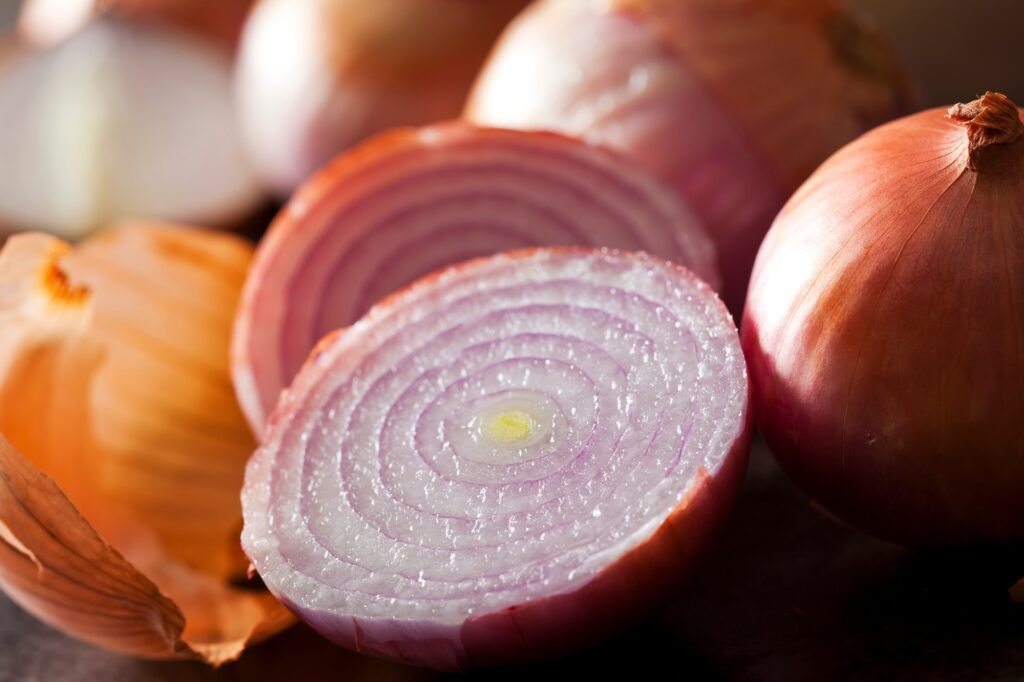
(413, 201)
(503, 461)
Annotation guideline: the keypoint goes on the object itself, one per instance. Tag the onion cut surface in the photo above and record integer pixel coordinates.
(415, 200)
(503, 461)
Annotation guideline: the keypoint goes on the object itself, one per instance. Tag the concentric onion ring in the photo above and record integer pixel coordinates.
(412, 201)
(503, 461)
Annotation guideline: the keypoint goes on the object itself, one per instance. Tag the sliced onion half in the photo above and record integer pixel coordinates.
(505, 460)
(415, 200)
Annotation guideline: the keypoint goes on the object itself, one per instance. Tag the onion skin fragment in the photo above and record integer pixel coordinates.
(113, 440)
(320, 561)
(48, 22)
(315, 77)
(411, 201)
(733, 103)
(885, 330)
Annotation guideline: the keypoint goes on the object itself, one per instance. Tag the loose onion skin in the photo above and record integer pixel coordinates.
(317, 76)
(92, 134)
(411, 201)
(121, 444)
(399, 512)
(734, 103)
(885, 324)
(48, 22)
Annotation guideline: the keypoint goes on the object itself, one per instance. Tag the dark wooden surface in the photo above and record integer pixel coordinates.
(786, 594)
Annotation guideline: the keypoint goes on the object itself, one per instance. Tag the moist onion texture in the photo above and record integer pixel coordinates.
(318, 76)
(505, 460)
(885, 329)
(412, 201)
(733, 102)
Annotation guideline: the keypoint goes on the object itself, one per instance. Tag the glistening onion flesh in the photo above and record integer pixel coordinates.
(503, 461)
(732, 102)
(412, 201)
(885, 329)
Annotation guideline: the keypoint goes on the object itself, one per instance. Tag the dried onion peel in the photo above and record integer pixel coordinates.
(732, 102)
(411, 201)
(503, 461)
(122, 446)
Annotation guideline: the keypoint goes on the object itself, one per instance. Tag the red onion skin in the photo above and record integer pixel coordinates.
(883, 335)
(622, 594)
(732, 103)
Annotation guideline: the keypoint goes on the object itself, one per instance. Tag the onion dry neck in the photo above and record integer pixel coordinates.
(992, 123)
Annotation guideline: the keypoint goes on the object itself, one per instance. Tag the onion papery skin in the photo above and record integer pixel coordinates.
(733, 103)
(48, 22)
(414, 200)
(315, 77)
(93, 133)
(885, 330)
(122, 447)
(384, 511)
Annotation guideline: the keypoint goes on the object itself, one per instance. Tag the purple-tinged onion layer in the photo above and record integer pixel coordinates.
(732, 102)
(412, 201)
(506, 459)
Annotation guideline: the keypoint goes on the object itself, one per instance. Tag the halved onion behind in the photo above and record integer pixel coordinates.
(122, 121)
(47, 22)
(117, 388)
(411, 201)
(506, 460)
